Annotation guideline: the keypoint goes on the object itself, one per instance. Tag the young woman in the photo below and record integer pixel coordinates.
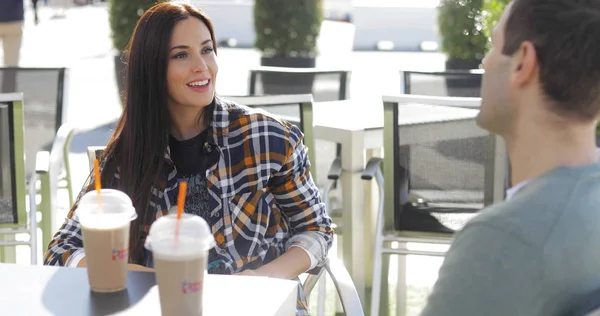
(248, 173)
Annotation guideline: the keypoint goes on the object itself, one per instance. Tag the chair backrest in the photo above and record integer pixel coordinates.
(296, 109)
(344, 286)
(450, 83)
(324, 85)
(438, 158)
(12, 169)
(94, 152)
(44, 93)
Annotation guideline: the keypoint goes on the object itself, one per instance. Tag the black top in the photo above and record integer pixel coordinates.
(191, 160)
(188, 155)
(11, 11)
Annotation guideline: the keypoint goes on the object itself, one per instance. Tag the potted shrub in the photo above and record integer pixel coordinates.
(492, 11)
(123, 16)
(286, 35)
(460, 24)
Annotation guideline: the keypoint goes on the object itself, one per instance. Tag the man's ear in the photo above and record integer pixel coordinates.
(524, 65)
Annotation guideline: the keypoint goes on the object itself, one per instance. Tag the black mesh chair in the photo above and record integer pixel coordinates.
(44, 93)
(438, 174)
(297, 109)
(15, 218)
(324, 85)
(449, 83)
(47, 139)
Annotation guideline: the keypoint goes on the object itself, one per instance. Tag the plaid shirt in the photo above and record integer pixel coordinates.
(260, 186)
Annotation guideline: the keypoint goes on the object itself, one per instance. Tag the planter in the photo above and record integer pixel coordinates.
(463, 84)
(120, 76)
(287, 82)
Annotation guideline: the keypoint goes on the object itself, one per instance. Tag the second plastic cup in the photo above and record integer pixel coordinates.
(180, 265)
(105, 228)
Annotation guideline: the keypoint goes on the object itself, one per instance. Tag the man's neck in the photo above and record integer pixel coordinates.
(536, 151)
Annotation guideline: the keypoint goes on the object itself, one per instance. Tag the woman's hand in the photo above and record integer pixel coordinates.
(137, 267)
(247, 272)
(288, 266)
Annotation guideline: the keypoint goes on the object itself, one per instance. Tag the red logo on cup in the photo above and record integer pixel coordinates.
(120, 254)
(191, 287)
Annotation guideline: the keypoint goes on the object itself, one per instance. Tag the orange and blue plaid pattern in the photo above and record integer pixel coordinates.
(260, 188)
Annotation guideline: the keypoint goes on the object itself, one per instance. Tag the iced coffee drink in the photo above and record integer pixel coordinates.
(180, 262)
(105, 228)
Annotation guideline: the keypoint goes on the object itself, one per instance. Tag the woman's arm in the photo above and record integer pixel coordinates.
(291, 264)
(298, 198)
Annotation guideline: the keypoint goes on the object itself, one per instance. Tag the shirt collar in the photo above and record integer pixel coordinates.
(510, 192)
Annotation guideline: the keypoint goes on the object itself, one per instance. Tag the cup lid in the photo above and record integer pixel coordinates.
(113, 206)
(108, 197)
(192, 227)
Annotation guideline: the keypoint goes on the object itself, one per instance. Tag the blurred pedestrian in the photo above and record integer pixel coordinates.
(12, 15)
(35, 11)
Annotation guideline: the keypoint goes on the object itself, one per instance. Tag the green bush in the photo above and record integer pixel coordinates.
(287, 28)
(460, 25)
(492, 11)
(123, 16)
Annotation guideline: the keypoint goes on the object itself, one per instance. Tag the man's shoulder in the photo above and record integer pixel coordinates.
(535, 212)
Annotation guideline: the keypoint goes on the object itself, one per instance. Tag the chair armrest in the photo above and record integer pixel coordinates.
(335, 171)
(345, 287)
(312, 278)
(42, 162)
(371, 169)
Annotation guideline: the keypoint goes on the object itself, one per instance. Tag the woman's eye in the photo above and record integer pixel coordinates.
(207, 50)
(179, 55)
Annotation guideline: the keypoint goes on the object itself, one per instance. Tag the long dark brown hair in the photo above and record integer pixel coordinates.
(137, 147)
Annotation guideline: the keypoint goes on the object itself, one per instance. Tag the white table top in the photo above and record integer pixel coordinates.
(44, 290)
(367, 114)
(236, 295)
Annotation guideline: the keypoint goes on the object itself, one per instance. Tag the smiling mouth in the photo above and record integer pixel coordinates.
(201, 83)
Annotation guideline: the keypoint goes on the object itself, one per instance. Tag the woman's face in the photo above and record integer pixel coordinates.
(192, 66)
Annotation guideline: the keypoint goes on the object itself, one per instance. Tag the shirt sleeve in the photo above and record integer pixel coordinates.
(313, 260)
(488, 271)
(299, 199)
(75, 258)
(66, 241)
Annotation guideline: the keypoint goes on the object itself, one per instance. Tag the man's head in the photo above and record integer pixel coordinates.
(545, 58)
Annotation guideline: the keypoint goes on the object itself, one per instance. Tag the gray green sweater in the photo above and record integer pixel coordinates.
(535, 254)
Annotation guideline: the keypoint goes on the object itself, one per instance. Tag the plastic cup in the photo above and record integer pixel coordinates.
(180, 265)
(105, 228)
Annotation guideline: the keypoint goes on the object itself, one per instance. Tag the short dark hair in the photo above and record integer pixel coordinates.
(566, 36)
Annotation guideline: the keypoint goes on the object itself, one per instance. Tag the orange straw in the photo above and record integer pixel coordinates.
(97, 179)
(180, 205)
